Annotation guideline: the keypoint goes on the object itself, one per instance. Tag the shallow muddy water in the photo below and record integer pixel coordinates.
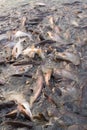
(9, 4)
(45, 87)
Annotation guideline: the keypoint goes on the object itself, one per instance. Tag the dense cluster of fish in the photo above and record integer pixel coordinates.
(43, 68)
